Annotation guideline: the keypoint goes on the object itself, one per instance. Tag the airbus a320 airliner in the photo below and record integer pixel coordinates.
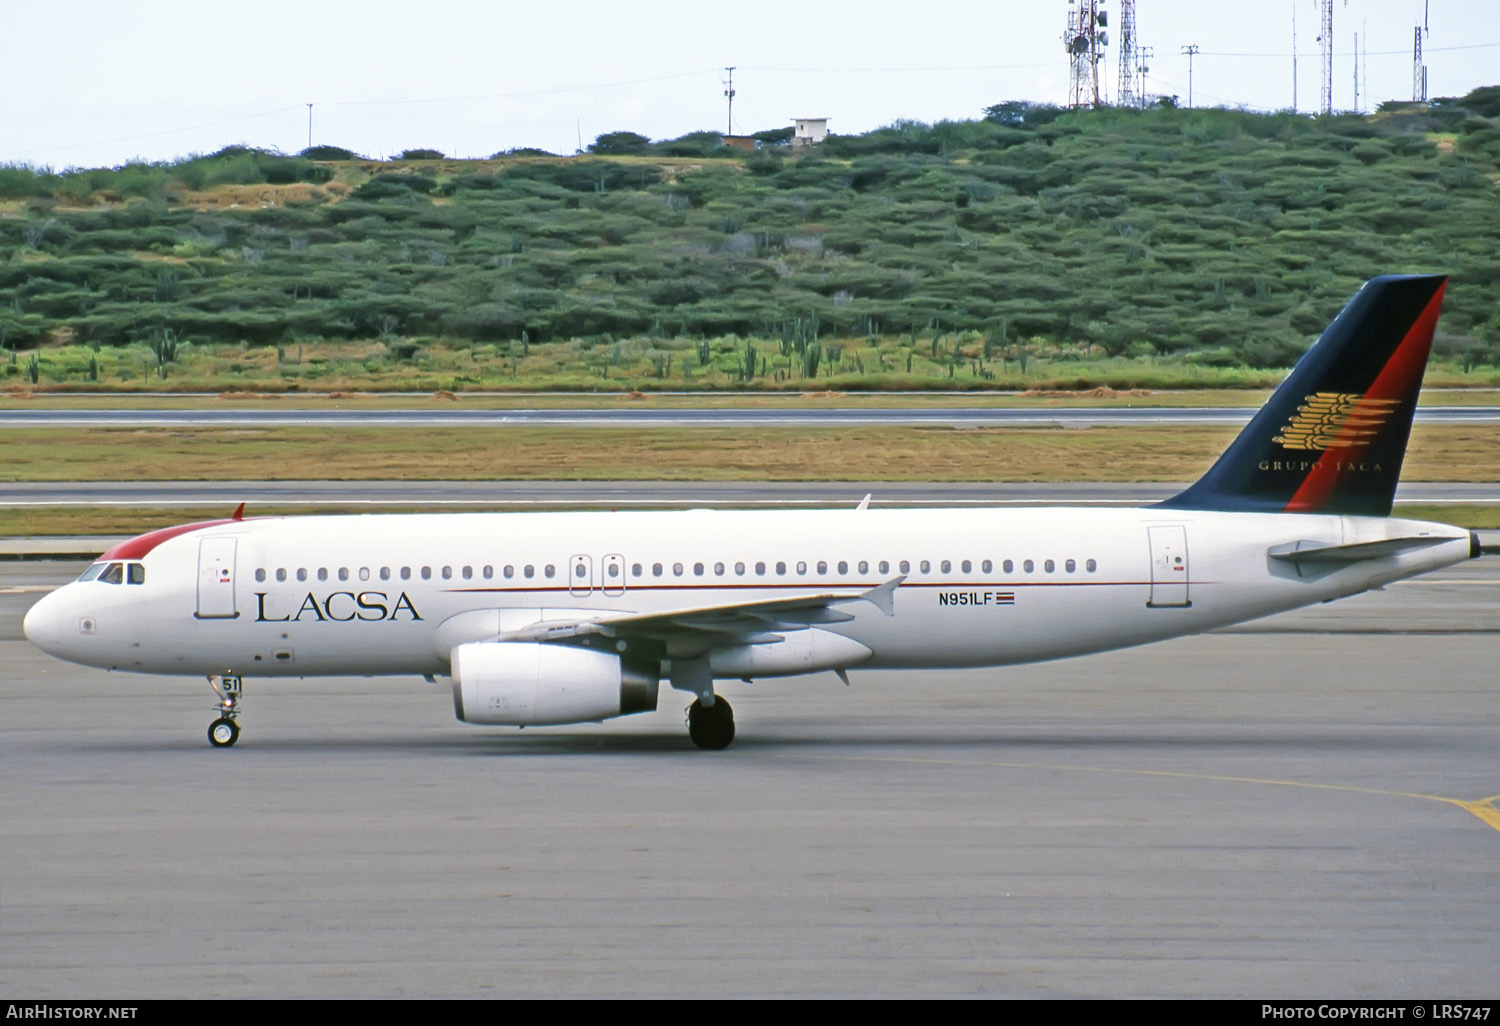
(556, 618)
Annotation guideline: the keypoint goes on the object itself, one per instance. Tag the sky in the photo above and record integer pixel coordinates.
(98, 83)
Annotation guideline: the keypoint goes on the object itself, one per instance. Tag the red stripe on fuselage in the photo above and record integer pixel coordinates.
(1400, 377)
(137, 547)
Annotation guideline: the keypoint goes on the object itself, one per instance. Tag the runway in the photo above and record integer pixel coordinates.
(638, 417)
(1304, 807)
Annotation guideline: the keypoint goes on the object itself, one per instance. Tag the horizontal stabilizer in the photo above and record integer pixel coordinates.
(1322, 552)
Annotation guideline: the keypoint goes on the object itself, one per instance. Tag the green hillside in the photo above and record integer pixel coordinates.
(954, 253)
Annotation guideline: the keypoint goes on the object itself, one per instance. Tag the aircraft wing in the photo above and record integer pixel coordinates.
(744, 622)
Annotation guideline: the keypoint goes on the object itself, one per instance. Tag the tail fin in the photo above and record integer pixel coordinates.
(1332, 437)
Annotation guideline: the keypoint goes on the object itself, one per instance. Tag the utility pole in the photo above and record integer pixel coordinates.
(309, 126)
(1145, 53)
(1294, 56)
(729, 129)
(1191, 50)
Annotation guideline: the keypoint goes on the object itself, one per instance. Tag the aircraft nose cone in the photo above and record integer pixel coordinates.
(42, 624)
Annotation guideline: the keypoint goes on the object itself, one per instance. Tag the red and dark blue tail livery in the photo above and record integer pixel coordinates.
(1333, 436)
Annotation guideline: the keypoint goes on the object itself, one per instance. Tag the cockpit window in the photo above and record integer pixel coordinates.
(137, 573)
(114, 575)
(93, 571)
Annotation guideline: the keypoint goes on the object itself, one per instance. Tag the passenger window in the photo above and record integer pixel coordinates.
(739, 569)
(655, 569)
(676, 569)
(447, 573)
(301, 573)
(385, 573)
(843, 567)
(1028, 566)
(1091, 566)
(137, 573)
(322, 573)
(780, 569)
(760, 569)
(905, 566)
(489, 573)
(426, 573)
(114, 575)
(364, 573)
(510, 572)
(1049, 566)
(801, 568)
(260, 576)
(343, 573)
(468, 573)
(947, 566)
(864, 566)
(697, 569)
(579, 571)
(822, 567)
(280, 575)
(1009, 567)
(718, 569)
(1070, 566)
(635, 570)
(885, 567)
(406, 573)
(528, 571)
(550, 570)
(986, 566)
(967, 566)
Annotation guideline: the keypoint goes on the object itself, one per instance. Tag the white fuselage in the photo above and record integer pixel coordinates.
(395, 594)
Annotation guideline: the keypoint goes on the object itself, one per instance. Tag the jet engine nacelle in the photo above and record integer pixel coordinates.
(524, 683)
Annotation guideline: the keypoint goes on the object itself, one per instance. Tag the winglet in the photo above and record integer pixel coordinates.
(865, 502)
(239, 512)
(884, 597)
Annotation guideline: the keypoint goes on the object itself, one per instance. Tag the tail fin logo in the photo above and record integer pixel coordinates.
(1335, 420)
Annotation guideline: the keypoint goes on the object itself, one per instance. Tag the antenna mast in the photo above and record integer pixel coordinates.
(1419, 69)
(1325, 37)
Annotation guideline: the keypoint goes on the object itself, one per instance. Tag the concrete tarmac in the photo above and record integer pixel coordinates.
(1300, 808)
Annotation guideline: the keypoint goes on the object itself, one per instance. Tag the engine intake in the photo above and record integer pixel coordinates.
(524, 683)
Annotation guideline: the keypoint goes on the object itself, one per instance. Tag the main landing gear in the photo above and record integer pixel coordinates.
(224, 732)
(711, 724)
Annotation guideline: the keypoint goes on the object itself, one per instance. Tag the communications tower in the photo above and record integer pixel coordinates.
(1325, 38)
(1085, 41)
(1132, 94)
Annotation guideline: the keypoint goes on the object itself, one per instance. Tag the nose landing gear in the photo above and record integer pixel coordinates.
(224, 732)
